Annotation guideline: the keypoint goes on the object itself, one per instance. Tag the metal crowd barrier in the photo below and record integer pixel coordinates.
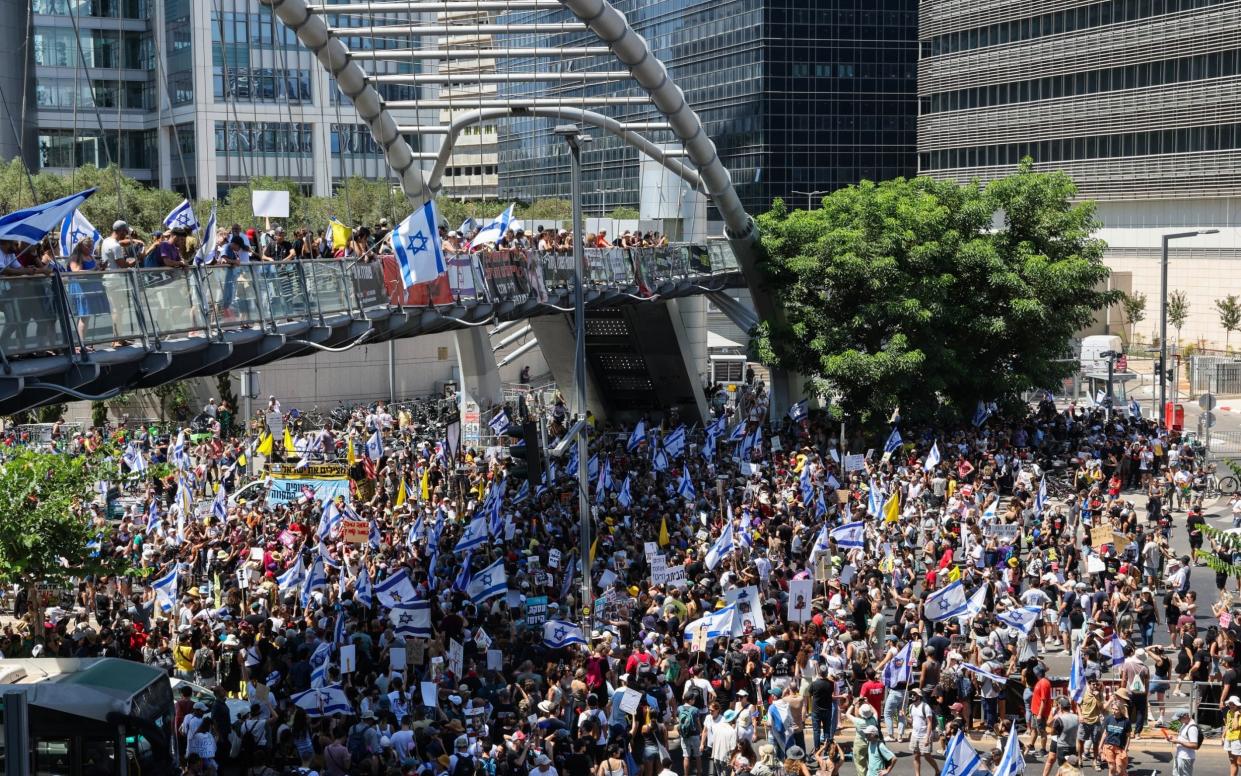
(68, 311)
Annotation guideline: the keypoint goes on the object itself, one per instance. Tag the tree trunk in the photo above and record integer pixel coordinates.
(34, 609)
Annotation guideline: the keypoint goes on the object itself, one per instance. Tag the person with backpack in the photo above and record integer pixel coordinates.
(363, 743)
(1188, 742)
(689, 727)
(252, 730)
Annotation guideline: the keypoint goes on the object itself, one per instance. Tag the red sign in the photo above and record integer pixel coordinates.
(436, 291)
(355, 531)
(1122, 364)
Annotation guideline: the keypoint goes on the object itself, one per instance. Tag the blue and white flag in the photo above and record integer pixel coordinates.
(674, 442)
(659, 458)
(569, 573)
(500, 422)
(960, 759)
(395, 590)
(219, 506)
(1022, 619)
(416, 244)
(894, 441)
(373, 537)
(29, 225)
(604, 482)
(74, 229)
(1011, 762)
(1040, 501)
(637, 436)
(488, 583)
(1114, 649)
(985, 674)
(182, 217)
(153, 520)
(737, 434)
(180, 458)
(1135, 409)
(722, 547)
(623, 498)
(323, 701)
(685, 488)
(1077, 677)
(850, 535)
(467, 228)
(717, 623)
(781, 719)
(412, 619)
(493, 230)
(338, 630)
(134, 459)
(945, 603)
(975, 605)
(415, 531)
(932, 458)
(799, 410)
(874, 500)
(807, 486)
(558, 634)
(293, 576)
(982, 412)
(899, 669)
(717, 427)
(318, 676)
(166, 590)
(592, 467)
(990, 512)
(749, 442)
(375, 446)
(475, 535)
(363, 592)
(329, 519)
(316, 579)
(463, 579)
(207, 250)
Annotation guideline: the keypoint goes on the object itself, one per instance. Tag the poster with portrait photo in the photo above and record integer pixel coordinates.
(749, 605)
(801, 592)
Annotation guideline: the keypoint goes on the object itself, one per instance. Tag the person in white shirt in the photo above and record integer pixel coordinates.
(112, 250)
(1188, 741)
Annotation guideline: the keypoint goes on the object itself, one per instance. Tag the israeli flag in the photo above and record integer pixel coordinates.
(316, 579)
(737, 434)
(338, 630)
(1040, 501)
(500, 422)
(722, 547)
(363, 592)
(1011, 762)
(874, 500)
(960, 759)
(493, 230)
(219, 507)
(799, 410)
(330, 518)
(782, 730)
(488, 583)
(659, 458)
(375, 446)
(945, 603)
(569, 573)
(74, 230)
(523, 492)
(182, 217)
(894, 441)
(166, 590)
(1135, 410)
(323, 702)
(1114, 649)
(989, 514)
(717, 427)
(751, 440)
(416, 243)
(674, 443)
(415, 531)
(153, 522)
(975, 605)
(850, 535)
(982, 412)
(326, 557)
(623, 498)
(899, 669)
(412, 619)
(292, 576)
(592, 467)
(395, 590)
(179, 456)
(1022, 619)
(932, 458)
(558, 634)
(820, 505)
(604, 482)
(134, 459)
(207, 250)
(29, 225)
(718, 623)
(637, 436)
(985, 674)
(373, 537)
(318, 676)
(467, 226)
(708, 448)
(475, 535)
(463, 579)
(1077, 677)
(685, 488)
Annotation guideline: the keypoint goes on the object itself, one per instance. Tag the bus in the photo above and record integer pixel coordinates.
(86, 717)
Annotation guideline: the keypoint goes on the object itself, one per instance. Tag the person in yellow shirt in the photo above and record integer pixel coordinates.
(1232, 733)
(1090, 711)
(183, 657)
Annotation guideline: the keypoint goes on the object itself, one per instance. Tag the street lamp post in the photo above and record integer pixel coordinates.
(575, 139)
(808, 195)
(1163, 313)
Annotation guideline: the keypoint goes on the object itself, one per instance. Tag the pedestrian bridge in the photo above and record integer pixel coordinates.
(93, 335)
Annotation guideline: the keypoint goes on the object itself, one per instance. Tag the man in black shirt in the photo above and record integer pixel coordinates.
(821, 694)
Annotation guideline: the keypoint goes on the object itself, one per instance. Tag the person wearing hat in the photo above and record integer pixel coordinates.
(723, 741)
(1232, 733)
(879, 758)
(1188, 741)
(921, 731)
(1090, 718)
(1117, 733)
(363, 741)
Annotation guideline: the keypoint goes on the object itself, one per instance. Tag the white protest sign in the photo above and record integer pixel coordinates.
(553, 559)
(1003, 532)
(482, 639)
(430, 694)
(800, 593)
(495, 660)
(606, 579)
(456, 657)
(270, 204)
(630, 700)
(348, 658)
(855, 462)
(669, 575)
(396, 660)
(651, 549)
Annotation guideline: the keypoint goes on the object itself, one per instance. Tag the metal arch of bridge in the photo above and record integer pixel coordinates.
(612, 28)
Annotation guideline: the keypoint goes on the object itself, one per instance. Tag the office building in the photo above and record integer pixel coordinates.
(190, 95)
(798, 95)
(1137, 100)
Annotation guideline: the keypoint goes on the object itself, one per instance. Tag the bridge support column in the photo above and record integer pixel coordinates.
(689, 324)
(480, 377)
(554, 334)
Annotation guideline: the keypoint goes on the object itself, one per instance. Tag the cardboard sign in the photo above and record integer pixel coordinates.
(456, 657)
(855, 462)
(801, 591)
(822, 567)
(415, 651)
(699, 642)
(1003, 532)
(355, 531)
(270, 204)
(651, 549)
(1101, 535)
(348, 658)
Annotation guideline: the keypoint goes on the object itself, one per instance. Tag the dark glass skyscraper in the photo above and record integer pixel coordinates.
(798, 95)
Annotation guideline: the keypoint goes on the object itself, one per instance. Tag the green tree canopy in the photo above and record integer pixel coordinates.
(927, 295)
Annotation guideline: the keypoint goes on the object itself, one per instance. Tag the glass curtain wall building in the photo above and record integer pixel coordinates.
(798, 95)
(1137, 100)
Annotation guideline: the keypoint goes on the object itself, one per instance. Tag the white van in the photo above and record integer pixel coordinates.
(1092, 360)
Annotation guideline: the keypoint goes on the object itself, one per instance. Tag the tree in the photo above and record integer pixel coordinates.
(1178, 312)
(46, 534)
(1229, 315)
(624, 213)
(1134, 307)
(905, 294)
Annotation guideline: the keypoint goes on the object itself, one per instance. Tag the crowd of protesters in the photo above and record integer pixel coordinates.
(763, 600)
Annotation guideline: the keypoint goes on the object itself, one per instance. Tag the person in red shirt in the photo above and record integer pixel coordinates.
(872, 691)
(1040, 707)
(639, 657)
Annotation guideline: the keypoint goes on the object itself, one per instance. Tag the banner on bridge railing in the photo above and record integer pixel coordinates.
(420, 295)
(327, 480)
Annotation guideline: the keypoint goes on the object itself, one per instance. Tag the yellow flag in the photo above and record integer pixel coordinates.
(954, 573)
(350, 457)
(426, 484)
(241, 460)
(892, 509)
(289, 448)
(593, 546)
(264, 448)
(340, 234)
(400, 493)
(663, 532)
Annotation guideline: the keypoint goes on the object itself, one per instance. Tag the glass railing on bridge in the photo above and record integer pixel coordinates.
(72, 311)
